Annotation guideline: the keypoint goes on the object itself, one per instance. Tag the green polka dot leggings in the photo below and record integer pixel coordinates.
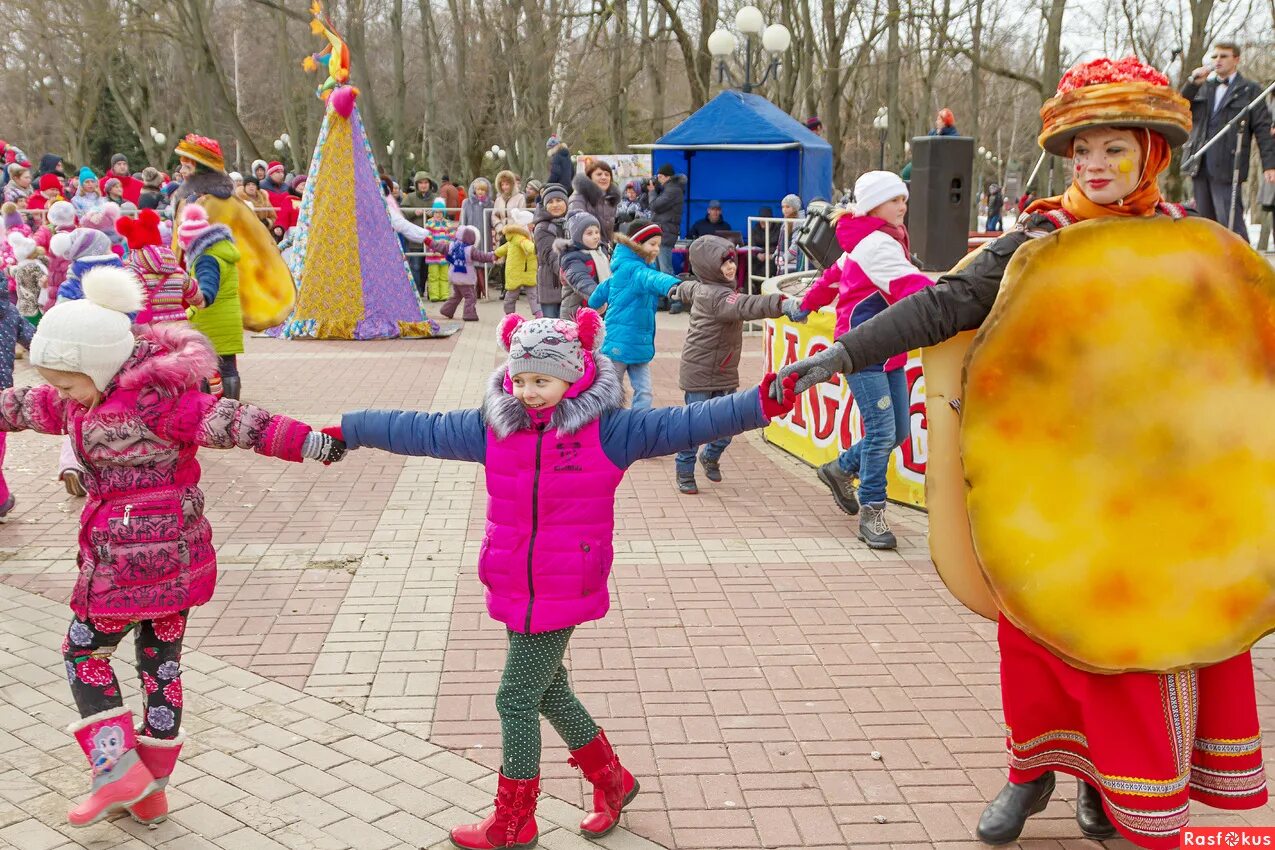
(536, 683)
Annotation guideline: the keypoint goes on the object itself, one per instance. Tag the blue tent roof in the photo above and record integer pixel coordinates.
(737, 134)
(735, 118)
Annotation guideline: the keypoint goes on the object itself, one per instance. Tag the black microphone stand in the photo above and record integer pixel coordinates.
(1240, 124)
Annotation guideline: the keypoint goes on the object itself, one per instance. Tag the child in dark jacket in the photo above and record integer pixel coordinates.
(555, 444)
(632, 294)
(583, 263)
(549, 226)
(874, 272)
(715, 341)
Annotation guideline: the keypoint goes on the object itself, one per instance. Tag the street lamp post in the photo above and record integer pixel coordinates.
(882, 123)
(774, 40)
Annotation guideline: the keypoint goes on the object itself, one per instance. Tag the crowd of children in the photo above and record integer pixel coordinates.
(137, 346)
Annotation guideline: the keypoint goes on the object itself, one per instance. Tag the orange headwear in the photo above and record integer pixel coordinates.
(1127, 94)
(205, 151)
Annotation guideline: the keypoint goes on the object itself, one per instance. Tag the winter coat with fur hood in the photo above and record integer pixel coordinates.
(473, 210)
(546, 554)
(145, 545)
(586, 196)
(520, 257)
(715, 340)
(501, 205)
(632, 293)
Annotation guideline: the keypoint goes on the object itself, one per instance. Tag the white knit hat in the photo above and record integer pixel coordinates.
(94, 335)
(874, 188)
(61, 214)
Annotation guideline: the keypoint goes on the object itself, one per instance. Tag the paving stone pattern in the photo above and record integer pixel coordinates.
(340, 685)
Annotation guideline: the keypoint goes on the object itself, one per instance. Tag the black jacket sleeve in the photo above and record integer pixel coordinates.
(960, 301)
(1260, 126)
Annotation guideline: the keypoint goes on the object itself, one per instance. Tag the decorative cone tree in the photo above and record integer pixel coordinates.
(353, 281)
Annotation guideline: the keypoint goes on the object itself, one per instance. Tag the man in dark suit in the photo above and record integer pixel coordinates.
(1218, 92)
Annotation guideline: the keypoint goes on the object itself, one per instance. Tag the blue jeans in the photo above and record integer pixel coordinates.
(551, 311)
(686, 460)
(640, 378)
(883, 403)
(665, 260)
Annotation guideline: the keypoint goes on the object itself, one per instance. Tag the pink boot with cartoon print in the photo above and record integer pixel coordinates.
(119, 776)
(160, 758)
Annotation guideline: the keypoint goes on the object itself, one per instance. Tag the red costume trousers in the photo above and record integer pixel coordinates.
(1149, 742)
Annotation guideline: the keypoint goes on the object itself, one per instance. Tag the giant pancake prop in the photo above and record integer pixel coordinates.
(1101, 466)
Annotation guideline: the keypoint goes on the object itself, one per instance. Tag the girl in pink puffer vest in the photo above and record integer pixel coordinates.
(555, 443)
(130, 402)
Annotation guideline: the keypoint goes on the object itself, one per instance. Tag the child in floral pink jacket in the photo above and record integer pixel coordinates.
(130, 402)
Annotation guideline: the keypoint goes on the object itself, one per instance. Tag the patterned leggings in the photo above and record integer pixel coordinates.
(536, 683)
(87, 650)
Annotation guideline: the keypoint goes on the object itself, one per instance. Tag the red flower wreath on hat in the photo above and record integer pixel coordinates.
(1130, 69)
(204, 142)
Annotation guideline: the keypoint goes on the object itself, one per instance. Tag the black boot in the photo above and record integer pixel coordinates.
(1093, 820)
(230, 386)
(1003, 819)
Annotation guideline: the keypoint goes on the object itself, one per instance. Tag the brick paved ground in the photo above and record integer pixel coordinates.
(755, 657)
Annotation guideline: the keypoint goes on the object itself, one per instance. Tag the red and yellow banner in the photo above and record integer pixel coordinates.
(826, 420)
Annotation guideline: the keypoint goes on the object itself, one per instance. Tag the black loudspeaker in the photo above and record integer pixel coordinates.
(941, 194)
(816, 236)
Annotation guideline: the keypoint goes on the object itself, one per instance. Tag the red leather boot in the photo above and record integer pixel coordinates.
(613, 786)
(512, 825)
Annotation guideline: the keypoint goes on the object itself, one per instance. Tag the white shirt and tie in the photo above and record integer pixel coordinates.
(1220, 93)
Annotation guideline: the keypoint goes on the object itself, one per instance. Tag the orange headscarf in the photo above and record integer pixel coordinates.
(1140, 202)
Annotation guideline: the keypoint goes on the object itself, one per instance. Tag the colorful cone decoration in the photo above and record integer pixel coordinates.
(354, 281)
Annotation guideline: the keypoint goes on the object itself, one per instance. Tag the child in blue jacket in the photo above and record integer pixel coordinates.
(632, 294)
(555, 443)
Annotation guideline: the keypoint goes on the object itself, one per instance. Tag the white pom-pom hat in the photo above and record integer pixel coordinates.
(93, 336)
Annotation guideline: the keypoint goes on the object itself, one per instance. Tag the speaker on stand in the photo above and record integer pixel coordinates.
(941, 192)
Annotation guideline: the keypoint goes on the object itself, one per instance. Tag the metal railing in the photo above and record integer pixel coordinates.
(777, 257)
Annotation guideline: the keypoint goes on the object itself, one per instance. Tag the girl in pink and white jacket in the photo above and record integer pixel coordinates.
(129, 399)
(555, 441)
(875, 271)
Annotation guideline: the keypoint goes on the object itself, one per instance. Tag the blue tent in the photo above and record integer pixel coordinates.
(746, 152)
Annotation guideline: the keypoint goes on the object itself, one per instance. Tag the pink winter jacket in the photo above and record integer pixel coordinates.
(145, 546)
(551, 479)
(873, 273)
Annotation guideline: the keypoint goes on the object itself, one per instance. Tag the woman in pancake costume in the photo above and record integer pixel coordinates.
(1118, 679)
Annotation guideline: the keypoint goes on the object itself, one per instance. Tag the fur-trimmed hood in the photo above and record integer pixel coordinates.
(512, 230)
(645, 250)
(205, 182)
(211, 236)
(592, 193)
(169, 357)
(506, 415)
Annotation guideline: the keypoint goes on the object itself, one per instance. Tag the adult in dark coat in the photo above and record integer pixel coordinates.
(560, 168)
(1218, 92)
(51, 163)
(597, 194)
(711, 224)
(668, 195)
